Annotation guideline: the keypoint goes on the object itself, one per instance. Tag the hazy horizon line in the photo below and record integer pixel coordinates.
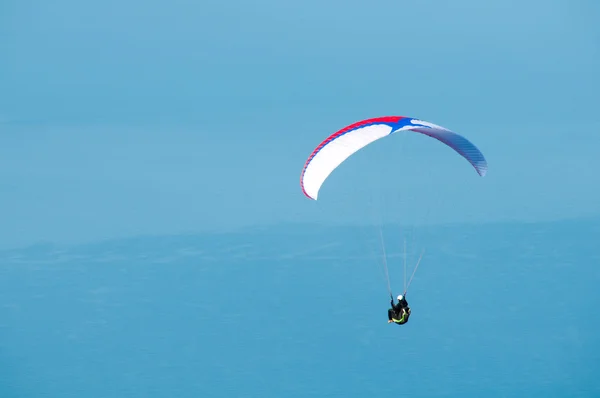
(295, 227)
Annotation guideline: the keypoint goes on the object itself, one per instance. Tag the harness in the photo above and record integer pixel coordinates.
(404, 318)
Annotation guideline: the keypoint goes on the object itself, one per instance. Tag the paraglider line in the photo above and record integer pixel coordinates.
(415, 270)
(405, 264)
(387, 275)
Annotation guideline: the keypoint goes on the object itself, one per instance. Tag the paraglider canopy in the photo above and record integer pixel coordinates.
(339, 146)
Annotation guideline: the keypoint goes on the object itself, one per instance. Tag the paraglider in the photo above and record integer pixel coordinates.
(400, 312)
(339, 146)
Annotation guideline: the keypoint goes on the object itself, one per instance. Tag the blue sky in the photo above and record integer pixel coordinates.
(163, 117)
(120, 119)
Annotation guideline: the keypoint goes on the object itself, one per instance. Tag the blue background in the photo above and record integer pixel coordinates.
(154, 240)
